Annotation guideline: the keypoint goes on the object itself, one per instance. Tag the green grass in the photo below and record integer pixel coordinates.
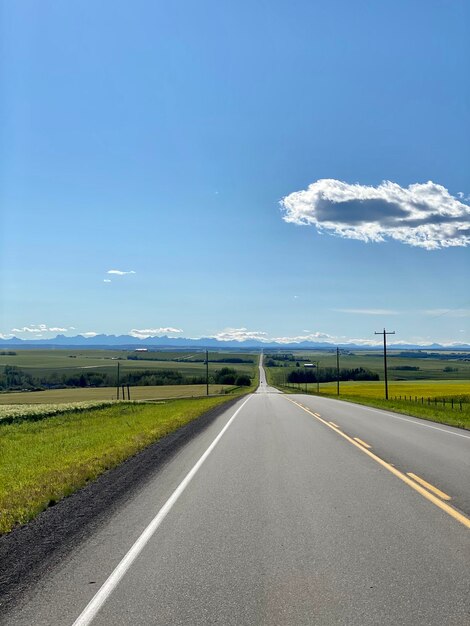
(439, 413)
(44, 461)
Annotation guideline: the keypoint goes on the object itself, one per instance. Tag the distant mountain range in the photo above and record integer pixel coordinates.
(128, 341)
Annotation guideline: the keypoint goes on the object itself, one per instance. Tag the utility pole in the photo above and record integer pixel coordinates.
(207, 372)
(385, 333)
(318, 376)
(117, 382)
(337, 371)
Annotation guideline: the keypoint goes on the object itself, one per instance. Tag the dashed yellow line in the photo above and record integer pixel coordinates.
(333, 424)
(363, 443)
(460, 517)
(428, 486)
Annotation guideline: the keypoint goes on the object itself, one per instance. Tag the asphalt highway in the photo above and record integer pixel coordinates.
(286, 510)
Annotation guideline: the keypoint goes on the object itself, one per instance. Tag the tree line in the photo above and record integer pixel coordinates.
(15, 379)
(329, 374)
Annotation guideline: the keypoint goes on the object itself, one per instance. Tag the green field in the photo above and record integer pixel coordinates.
(64, 358)
(45, 361)
(92, 394)
(52, 369)
(43, 461)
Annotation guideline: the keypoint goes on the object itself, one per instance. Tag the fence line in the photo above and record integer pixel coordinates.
(449, 402)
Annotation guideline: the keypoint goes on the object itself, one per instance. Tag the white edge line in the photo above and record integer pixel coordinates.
(398, 417)
(405, 419)
(92, 608)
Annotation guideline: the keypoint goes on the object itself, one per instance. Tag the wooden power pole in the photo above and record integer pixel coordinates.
(337, 371)
(385, 333)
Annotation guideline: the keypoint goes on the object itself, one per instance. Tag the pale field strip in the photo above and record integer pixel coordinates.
(46, 410)
(108, 394)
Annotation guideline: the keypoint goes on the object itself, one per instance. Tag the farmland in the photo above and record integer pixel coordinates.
(92, 369)
(402, 364)
(43, 361)
(104, 394)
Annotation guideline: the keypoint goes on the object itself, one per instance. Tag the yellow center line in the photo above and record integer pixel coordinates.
(333, 424)
(363, 443)
(460, 517)
(423, 482)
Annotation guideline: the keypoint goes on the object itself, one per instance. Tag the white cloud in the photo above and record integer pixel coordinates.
(38, 329)
(424, 215)
(368, 311)
(7, 336)
(143, 333)
(120, 272)
(25, 329)
(239, 334)
(90, 333)
(106, 280)
(318, 336)
(243, 334)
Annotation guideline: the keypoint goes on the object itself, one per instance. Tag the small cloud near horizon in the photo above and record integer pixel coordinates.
(423, 215)
(144, 333)
(120, 272)
(39, 329)
(239, 334)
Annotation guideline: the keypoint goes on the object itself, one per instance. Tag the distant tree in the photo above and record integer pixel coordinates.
(243, 381)
(225, 376)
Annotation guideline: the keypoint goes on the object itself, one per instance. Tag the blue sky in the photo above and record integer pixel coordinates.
(160, 138)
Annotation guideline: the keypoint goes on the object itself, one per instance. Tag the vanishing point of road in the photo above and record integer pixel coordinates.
(286, 510)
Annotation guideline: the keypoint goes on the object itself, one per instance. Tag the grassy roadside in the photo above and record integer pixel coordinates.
(43, 461)
(460, 419)
(440, 414)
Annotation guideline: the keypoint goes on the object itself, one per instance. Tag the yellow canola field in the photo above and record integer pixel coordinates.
(375, 389)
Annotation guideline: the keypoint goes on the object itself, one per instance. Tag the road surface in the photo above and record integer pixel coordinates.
(286, 510)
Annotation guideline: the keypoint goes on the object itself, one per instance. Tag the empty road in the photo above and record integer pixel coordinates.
(286, 510)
